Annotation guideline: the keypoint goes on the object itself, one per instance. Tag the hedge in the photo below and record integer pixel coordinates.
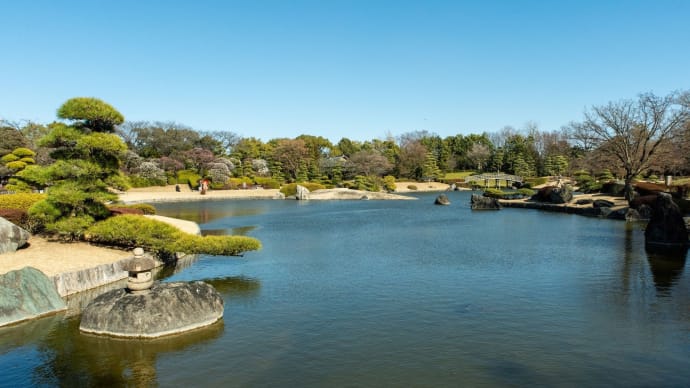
(20, 201)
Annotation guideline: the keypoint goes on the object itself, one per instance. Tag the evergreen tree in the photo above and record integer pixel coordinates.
(87, 159)
(430, 168)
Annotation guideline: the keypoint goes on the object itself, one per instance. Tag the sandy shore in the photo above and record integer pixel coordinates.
(404, 187)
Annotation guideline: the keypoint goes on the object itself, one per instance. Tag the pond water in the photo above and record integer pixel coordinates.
(397, 293)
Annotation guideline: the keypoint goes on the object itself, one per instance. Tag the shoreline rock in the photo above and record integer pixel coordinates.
(480, 202)
(442, 200)
(666, 227)
(614, 213)
(27, 294)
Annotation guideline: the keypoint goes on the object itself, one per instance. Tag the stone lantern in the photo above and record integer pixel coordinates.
(139, 268)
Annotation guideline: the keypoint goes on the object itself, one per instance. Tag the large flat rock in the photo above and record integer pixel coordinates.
(168, 308)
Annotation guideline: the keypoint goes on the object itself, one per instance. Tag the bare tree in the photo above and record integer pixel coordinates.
(633, 131)
(479, 154)
(370, 162)
(411, 159)
(291, 154)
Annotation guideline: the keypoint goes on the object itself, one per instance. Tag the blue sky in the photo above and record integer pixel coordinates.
(356, 69)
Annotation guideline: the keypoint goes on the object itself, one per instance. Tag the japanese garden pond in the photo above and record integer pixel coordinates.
(402, 293)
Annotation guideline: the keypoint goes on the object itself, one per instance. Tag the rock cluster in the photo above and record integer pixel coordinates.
(480, 202)
(169, 308)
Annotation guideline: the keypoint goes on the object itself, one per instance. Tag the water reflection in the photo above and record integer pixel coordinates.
(667, 266)
(205, 212)
(235, 285)
(86, 360)
(178, 266)
(238, 231)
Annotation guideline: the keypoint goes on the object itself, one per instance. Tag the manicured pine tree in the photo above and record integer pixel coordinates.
(87, 157)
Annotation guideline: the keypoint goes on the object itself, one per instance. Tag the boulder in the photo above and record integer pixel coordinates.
(584, 201)
(167, 308)
(480, 202)
(553, 194)
(666, 226)
(12, 237)
(442, 200)
(27, 293)
(302, 193)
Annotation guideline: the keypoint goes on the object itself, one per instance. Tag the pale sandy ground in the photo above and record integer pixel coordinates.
(402, 187)
(168, 194)
(53, 258)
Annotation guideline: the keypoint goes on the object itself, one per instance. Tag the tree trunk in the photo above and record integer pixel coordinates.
(628, 191)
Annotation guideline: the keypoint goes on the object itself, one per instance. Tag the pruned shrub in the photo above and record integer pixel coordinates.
(216, 245)
(70, 228)
(44, 212)
(267, 183)
(20, 201)
(118, 211)
(144, 207)
(494, 193)
(389, 183)
(239, 183)
(290, 190)
(411, 187)
(130, 231)
(189, 177)
(526, 192)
